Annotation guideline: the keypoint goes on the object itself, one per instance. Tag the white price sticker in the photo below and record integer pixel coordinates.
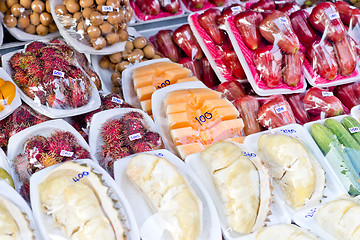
(283, 20)
(236, 9)
(117, 100)
(280, 109)
(107, 8)
(334, 16)
(135, 136)
(65, 153)
(327, 94)
(58, 73)
(354, 129)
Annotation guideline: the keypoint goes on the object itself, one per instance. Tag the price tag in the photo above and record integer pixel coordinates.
(354, 129)
(159, 154)
(311, 213)
(117, 100)
(107, 8)
(280, 109)
(58, 73)
(247, 154)
(288, 130)
(236, 9)
(283, 20)
(65, 153)
(80, 175)
(334, 16)
(135, 136)
(327, 94)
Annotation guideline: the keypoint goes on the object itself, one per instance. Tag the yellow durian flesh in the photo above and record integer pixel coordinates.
(340, 218)
(8, 227)
(290, 164)
(284, 232)
(236, 180)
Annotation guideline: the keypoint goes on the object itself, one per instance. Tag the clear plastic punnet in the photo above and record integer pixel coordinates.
(79, 200)
(172, 203)
(54, 79)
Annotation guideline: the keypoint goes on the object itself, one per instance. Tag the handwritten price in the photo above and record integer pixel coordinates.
(164, 84)
(311, 213)
(80, 175)
(203, 118)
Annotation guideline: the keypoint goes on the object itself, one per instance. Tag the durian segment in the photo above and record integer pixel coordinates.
(82, 208)
(237, 182)
(169, 194)
(341, 218)
(13, 223)
(284, 232)
(290, 164)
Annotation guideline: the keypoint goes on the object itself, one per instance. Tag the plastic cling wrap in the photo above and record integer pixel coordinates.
(146, 10)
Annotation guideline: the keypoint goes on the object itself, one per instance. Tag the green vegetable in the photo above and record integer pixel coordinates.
(350, 123)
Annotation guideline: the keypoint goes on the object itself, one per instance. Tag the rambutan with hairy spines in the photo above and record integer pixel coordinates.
(111, 132)
(18, 128)
(107, 103)
(81, 153)
(88, 117)
(153, 138)
(132, 126)
(35, 146)
(57, 40)
(35, 47)
(61, 140)
(54, 102)
(21, 78)
(14, 61)
(36, 71)
(132, 115)
(110, 154)
(140, 147)
(25, 190)
(26, 59)
(21, 166)
(77, 96)
(48, 159)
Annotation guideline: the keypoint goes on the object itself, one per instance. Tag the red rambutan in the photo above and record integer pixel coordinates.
(21, 78)
(35, 146)
(26, 59)
(133, 126)
(21, 166)
(81, 153)
(108, 103)
(35, 47)
(14, 61)
(132, 115)
(61, 140)
(153, 138)
(49, 159)
(77, 96)
(111, 132)
(140, 147)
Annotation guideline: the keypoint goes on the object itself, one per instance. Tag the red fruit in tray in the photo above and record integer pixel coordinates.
(347, 94)
(263, 5)
(231, 61)
(150, 7)
(170, 6)
(208, 22)
(292, 68)
(277, 29)
(228, 12)
(248, 108)
(349, 14)
(165, 44)
(193, 65)
(297, 106)
(196, 3)
(346, 56)
(207, 74)
(325, 15)
(301, 25)
(232, 90)
(247, 23)
(322, 59)
(289, 8)
(185, 39)
(276, 113)
(268, 61)
(317, 101)
(218, 3)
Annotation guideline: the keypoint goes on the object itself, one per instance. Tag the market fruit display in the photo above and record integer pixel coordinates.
(149, 78)
(14, 223)
(292, 167)
(31, 16)
(138, 50)
(243, 191)
(199, 117)
(41, 151)
(83, 209)
(7, 93)
(50, 75)
(99, 23)
(284, 232)
(248, 107)
(338, 218)
(124, 136)
(168, 193)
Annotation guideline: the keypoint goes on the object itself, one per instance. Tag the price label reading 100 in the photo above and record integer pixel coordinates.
(203, 118)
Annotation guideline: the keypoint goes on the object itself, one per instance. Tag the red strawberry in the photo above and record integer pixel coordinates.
(247, 24)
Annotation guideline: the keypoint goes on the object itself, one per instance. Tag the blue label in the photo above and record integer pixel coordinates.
(354, 130)
(117, 100)
(107, 8)
(135, 136)
(280, 109)
(203, 118)
(288, 130)
(65, 153)
(247, 154)
(58, 73)
(159, 154)
(311, 213)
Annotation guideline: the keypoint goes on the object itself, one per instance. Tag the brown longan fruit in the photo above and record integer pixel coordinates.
(72, 6)
(38, 6)
(96, 18)
(121, 66)
(140, 42)
(93, 32)
(17, 10)
(46, 19)
(149, 51)
(115, 57)
(106, 28)
(3, 7)
(116, 89)
(86, 3)
(42, 30)
(47, 6)
(98, 43)
(100, 2)
(26, 3)
(129, 46)
(115, 17)
(10, 3)
(77, 16)
(135, 56)
(123, 35)
(52, 27)
(61, 9)
(35, 18)
(31, 29)
(104, 62)
(112, 66)
(156, 56)
(112, 38)
(116, 79)
(23, 22)
(86, 12)
(113, 3)
(10, 21)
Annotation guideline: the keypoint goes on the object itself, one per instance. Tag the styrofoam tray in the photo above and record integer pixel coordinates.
(11, 195)
(24, 36)
(16, 101)
(127, 84)
(276, 216)
(211, 51)
(17, 141)
(93, 104)
(159, 114)
(332, 185)
(153, 31)
(143, 213)
(1, 34)
(72, 37)
(46, 223)
(355, 112)
(246, 59)
(100, 118)
(4, 163)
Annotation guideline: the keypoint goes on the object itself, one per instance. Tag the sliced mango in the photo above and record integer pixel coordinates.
(2, 81)
(7, 92)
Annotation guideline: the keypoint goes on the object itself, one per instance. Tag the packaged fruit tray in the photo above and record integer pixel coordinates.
(152, 12)
(95, 186)
(246, 58)
(268, 211)
(148, 219)
(190, 6)
(355, 112)
(6, 110)
(93, 100)
(16, 211)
